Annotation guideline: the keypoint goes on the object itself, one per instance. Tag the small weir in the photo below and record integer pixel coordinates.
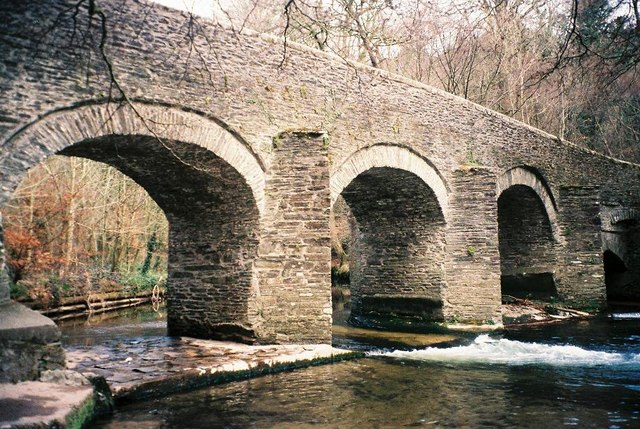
(581, 374)
(485, 349)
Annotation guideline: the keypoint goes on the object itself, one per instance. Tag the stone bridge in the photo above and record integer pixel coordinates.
(246, 143)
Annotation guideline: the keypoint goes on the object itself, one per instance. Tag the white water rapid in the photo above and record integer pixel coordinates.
(500, 351)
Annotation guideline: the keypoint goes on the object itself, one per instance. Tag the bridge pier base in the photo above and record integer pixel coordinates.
(580, 273)
(472, 294)
(294, 255)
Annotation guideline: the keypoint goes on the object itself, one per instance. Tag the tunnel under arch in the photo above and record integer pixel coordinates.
(620, 234)
(527, 235)
(207, 182)
(616, 277)
(398, 202)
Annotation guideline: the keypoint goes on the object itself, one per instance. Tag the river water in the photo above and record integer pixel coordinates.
(579, 374)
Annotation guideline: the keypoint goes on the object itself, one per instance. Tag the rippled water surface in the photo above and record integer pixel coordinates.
(584, 374)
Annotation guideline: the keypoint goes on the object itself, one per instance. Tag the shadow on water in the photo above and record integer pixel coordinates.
(350, 337)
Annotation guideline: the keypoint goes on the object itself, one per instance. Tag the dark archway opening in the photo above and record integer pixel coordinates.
(616, 277)
(212, 235)
(622, 281)
(527, 246)
(396, 250)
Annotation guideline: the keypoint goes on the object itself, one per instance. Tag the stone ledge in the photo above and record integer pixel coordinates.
(33, 404)
(161, 366)
(19, 323)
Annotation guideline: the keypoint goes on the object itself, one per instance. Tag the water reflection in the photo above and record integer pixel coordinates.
(390, 393)
(106, 327)
(385, 391)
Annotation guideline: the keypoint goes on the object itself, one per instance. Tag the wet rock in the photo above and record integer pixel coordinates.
(167, 365)
(64, 376)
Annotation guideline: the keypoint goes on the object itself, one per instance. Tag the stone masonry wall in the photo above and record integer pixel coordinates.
(294, 264)
(398, 251)
(473, 260)
(580, 274)
(526, 241)
(211, 273)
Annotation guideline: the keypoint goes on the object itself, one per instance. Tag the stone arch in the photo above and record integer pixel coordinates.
(207, 181)
(65, 127)
(623, 215)
(527, 176)
(391, 156)
(527, 234)
(398, 205)
(620, 234)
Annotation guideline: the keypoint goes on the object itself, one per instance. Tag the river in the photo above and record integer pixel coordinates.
(578, 374)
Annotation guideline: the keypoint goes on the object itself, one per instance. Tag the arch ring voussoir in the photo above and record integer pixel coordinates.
(390, 156)
(525, 177)
(63, 128)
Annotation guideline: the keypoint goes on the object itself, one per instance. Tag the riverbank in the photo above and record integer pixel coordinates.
(75, 307)
(521, 313)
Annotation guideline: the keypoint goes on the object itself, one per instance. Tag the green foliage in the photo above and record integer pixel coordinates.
(471, 159)
(396, 126)
(80, 416)
(594, 21)
(471, 251)
(325, 142)
(454, 318)
(568, 231)
(276, 142)
(588, 305)
(152, 245)
(137, 281)
(340, 275)
(18, 290)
